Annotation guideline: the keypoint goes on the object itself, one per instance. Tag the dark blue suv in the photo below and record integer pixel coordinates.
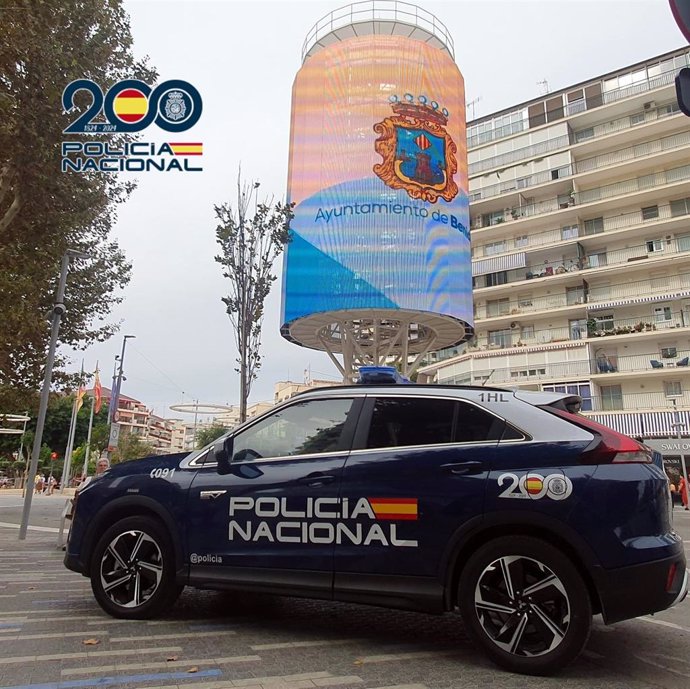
(506, 506)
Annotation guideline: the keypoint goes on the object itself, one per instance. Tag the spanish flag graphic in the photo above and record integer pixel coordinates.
(187, 149)
(394, 508)
(131, 105)
(534, 484)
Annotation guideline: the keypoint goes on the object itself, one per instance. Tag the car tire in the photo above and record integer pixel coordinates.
(524, 602)
(133, 569)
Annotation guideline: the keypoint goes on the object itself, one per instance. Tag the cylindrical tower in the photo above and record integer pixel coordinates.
(378, 269)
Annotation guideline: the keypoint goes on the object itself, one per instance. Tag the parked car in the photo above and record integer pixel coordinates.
(505, 506)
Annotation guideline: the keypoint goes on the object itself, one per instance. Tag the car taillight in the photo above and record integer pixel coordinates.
(608, 446)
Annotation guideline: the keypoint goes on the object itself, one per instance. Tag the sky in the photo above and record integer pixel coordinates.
(242, 56)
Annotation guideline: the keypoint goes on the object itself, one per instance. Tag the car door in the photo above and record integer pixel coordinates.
(416, 474)
(272, 515)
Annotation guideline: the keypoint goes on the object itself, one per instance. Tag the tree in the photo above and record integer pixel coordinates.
(43, 47)
(131, 446)
(249, 243)
(205, 436)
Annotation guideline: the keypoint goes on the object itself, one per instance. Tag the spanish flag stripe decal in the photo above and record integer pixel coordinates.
(187, 149)
(394, 508)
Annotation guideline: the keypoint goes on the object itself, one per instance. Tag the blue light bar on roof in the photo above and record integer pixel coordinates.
(380, 375)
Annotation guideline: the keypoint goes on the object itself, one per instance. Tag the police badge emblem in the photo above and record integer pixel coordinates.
(174, 106)
(418, 153)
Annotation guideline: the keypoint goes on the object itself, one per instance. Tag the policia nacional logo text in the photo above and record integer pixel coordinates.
(357, 521)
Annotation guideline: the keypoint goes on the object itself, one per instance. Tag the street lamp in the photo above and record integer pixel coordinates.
(59, 311)
(113, 416)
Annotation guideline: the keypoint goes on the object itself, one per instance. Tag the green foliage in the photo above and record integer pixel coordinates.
(44, 46)
(130, 447)
(205, 436)
(250, 243)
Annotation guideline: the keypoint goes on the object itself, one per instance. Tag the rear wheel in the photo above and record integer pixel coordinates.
(526, 604)
(133, 569)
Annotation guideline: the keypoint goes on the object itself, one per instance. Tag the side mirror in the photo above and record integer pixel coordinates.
(222, 453)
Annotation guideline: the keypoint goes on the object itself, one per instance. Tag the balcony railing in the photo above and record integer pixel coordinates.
(575, 370)
(623, 155)
(654, 180)
(609, 223)
(518, 155)
(619, 292)
(607, 97)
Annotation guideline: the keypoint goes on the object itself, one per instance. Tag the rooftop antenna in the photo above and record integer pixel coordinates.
(472, 103)
(544, 86)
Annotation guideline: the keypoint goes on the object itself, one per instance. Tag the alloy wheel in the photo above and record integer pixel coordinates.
(131, 569)
(522, 606)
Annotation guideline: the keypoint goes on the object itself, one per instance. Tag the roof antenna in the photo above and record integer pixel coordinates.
(544, 85)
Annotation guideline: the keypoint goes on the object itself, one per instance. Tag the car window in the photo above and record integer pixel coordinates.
(307, 427)
(402, 421)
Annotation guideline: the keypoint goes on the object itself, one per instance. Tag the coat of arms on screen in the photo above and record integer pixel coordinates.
(418, 153)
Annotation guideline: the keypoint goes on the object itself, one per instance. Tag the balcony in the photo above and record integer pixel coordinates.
(592, 228)
(645, 183)
(601, 368)
(520, 123)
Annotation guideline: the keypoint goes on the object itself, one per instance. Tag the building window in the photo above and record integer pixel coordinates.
(672, 388)
(650, 212)
(570, 232)
(662, 314)
(604, 322)
(500, 338)
(524, 301)
(582, 389)
(500, 278)
(494, 248)
(669, 352)
(574, 295)
(522, 240)
(655, 246)
(526, 333)
(611, 397)
(497, 307)
(578, 328)
(594, 225)
(680, 207)
(637, 118)
(584, 134)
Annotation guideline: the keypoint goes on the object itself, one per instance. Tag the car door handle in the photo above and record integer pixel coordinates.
(317, 479)
(211, 494)
(463, 468)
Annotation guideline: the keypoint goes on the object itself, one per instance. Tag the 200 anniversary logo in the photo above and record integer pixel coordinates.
(131, 106)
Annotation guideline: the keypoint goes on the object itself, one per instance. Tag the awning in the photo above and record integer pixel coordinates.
(497, 263)
(598, 306)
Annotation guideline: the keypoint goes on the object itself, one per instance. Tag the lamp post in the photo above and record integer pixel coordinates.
(114, 417)
(678, 425)
(58, 312)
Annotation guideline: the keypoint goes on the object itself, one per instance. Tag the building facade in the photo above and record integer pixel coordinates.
(580, 228)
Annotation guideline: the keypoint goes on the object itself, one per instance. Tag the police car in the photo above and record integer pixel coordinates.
(506, 506)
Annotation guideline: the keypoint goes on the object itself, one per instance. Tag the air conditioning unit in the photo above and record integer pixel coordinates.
(514, 325)
(649, 105)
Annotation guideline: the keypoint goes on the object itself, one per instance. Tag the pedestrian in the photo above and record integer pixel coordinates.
(40, 483)
(102, 465)
(52, 482)
(683, 490)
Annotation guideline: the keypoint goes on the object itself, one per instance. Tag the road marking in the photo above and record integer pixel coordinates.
(387, 657)
(302, 644)
(89, 654)
(57, 635)
(160, 664)
(158, 637)
(663, 623)
(404, 686)
(110, 681)
(49, 529)
(283, 683)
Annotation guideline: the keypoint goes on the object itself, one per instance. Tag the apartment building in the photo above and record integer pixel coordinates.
(580, 225)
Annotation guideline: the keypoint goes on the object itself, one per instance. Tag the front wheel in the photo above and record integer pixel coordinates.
(526, 604)
(133, 569)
